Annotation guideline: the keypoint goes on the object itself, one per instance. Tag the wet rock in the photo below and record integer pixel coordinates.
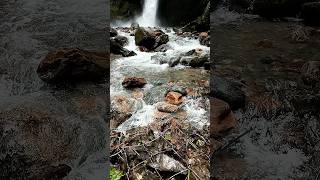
(160, 58)
(121, 40)
(222, 118)
(174, 98)
(133, 82)
(163, 48)
(145, 38)
(164, 162)
(135, 25)
(311, 13)
(228, 91)
(195, 61)
(73, 64)
(310, 72)
(174, 61)
(161, 39)
(178, 89)
(121, 109)
(113, 32)
(204, 39)
(117, 48)
(166, 107)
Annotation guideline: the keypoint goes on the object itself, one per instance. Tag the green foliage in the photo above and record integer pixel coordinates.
(115, 174)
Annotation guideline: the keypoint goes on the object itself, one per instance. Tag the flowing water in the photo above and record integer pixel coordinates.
(149, 14)
(158, 75)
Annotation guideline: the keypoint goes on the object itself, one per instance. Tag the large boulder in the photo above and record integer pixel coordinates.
(151, 39)
(311, 13)
(228, 91)
(73, 64)
(116, 47)
(145, 38)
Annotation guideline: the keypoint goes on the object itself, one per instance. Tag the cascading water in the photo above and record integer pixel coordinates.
(149, 14)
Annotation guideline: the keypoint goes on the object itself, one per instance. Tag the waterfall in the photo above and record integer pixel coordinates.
(149, 14)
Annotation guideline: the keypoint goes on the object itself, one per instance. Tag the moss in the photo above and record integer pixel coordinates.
(115, 174)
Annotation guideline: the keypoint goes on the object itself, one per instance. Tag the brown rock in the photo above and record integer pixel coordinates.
(166, 107)
(174, 98)
(222, 118)
(134, 82)
(73, 64)
(121, 109)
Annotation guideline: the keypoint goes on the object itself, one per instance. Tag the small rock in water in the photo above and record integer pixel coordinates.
(163, 48)
(133, 82)
(166, 107)
(174, 98)
(113, 32)
(135, 25)
(204, 39)
(179, 89)
(174, 61)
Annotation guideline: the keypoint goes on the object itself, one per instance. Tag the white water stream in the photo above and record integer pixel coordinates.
(149, 14)
(143, 65)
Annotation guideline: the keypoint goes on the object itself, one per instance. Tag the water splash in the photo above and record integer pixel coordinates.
(149, 14)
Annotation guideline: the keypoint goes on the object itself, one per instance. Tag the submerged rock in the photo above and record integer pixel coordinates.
(174, 98)
(73, 64)
(133, 82)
